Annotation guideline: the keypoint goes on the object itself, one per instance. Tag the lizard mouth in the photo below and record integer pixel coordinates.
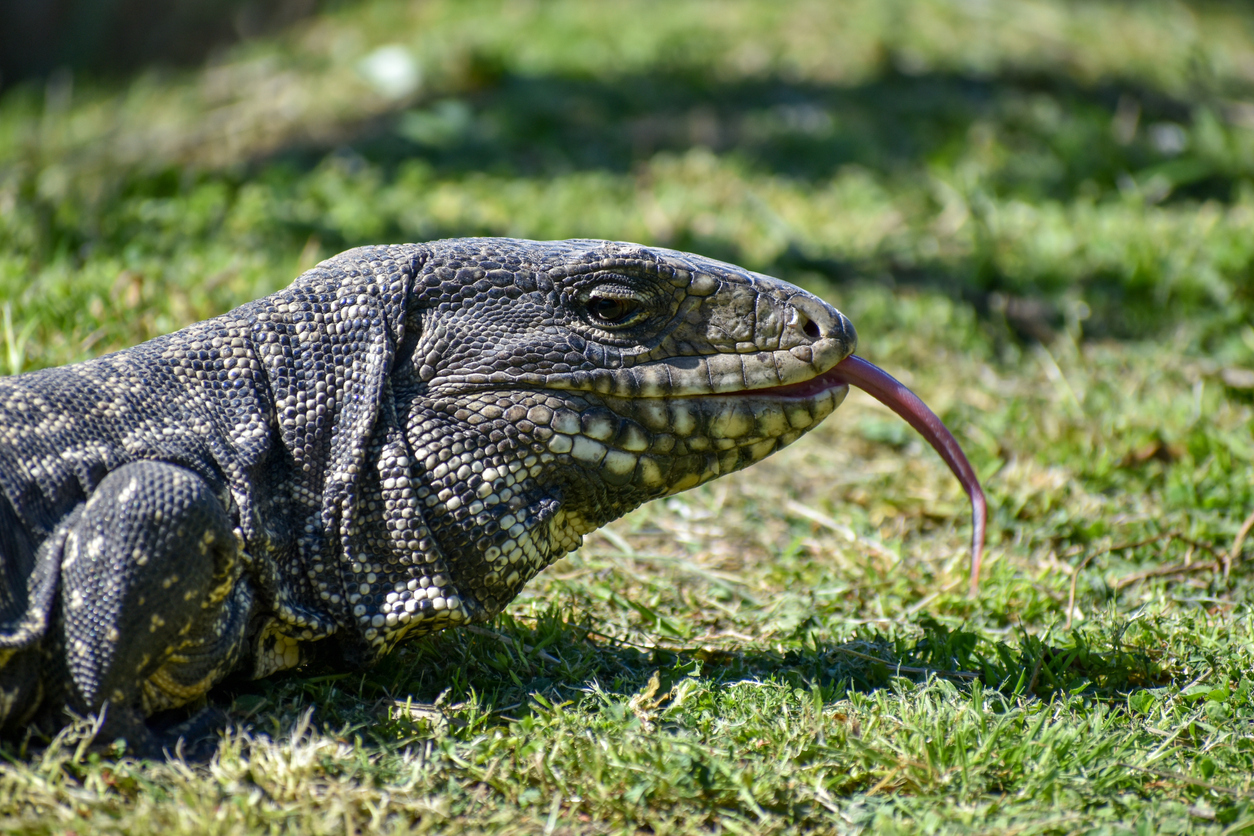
(804, 390)
(854, 371)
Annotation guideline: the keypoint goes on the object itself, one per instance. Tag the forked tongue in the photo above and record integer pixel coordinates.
(882, 386)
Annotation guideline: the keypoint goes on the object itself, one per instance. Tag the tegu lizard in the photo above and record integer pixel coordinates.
(393, 445)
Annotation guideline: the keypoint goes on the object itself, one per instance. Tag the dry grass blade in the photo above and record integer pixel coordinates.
(1166, 572)
(1237, 543)
(1075, 575)
(910, 669)
(1185, 779)
(871, 546)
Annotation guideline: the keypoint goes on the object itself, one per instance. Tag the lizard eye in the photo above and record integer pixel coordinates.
(613, 310)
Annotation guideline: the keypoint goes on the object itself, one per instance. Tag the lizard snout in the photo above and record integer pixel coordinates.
(815, 332)
(812, 320)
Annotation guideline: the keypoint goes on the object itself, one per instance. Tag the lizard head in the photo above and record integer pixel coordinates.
(549, 388)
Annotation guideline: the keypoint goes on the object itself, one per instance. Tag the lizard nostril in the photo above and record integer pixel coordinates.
(815, 321)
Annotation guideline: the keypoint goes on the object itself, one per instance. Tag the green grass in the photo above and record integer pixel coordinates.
(1040, 215)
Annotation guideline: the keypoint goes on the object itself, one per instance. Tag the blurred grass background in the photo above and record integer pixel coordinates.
(1039, 214)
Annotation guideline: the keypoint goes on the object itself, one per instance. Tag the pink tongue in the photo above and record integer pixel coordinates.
(880, 385)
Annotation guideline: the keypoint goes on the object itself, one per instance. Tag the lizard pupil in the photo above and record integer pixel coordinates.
(611, 310)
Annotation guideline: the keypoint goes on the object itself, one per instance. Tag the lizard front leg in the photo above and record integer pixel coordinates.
(154, 608)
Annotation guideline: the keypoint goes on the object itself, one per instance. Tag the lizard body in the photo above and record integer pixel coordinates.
(394, 444)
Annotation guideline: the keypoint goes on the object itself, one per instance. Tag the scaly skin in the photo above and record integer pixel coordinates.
(393, 445)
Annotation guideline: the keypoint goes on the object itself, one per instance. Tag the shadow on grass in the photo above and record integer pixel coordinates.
(463, 681)
(1033, 137)
(1060, 132)
(1036, 136)
(502, 671)
(117, 37)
